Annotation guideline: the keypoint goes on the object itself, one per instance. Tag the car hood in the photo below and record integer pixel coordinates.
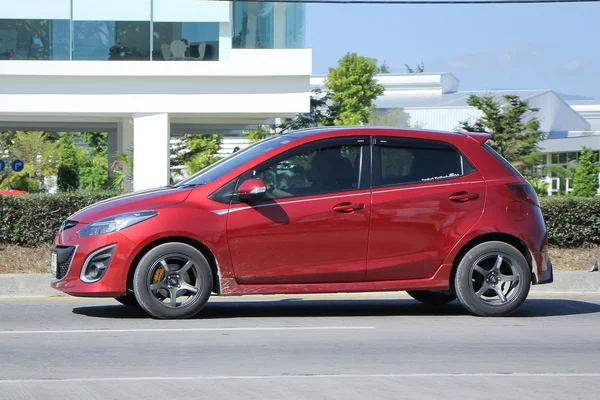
(137, 201)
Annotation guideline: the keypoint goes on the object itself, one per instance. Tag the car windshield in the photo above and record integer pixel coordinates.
(229, 163)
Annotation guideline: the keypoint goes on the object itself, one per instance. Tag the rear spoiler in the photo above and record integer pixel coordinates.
(479, 137)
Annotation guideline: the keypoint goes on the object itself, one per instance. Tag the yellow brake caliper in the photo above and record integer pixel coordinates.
(158, 276)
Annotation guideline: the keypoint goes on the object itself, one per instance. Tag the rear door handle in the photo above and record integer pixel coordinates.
(348, 207)
(463, 197)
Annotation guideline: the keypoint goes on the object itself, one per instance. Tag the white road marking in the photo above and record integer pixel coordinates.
(318, 376)
(264, 328)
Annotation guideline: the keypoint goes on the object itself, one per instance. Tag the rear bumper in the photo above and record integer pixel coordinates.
(543, 268)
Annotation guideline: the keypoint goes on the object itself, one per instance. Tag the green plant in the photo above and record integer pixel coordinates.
(34, 219)
(572, 221)
(68, 165)
(122, 171)
(419, 69)
(585, 181)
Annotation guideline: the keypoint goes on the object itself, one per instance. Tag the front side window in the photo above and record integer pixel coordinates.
(401, 165)
(315, 171)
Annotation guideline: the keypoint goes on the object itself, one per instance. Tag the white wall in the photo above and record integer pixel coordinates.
(35, 9)
(443, 119)
(252, 81)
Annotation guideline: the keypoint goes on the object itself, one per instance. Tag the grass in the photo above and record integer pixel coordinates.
(36, 260)
(24, 260)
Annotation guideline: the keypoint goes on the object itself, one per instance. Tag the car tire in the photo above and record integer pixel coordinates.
(169, 271)
(492, 280)
(128, 300)
(431, 297)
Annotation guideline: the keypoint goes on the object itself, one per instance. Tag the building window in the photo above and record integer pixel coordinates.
(34, 39)
(258, 25)
(111, 40)
(201, 40)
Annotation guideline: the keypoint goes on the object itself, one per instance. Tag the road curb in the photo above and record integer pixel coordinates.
(565, 282)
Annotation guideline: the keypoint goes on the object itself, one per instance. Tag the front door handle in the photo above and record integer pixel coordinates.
(463, 197)
(348, 207)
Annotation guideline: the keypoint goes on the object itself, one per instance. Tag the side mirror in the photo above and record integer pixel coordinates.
(252, 190)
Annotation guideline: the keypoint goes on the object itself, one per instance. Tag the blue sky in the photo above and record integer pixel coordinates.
(528, 46)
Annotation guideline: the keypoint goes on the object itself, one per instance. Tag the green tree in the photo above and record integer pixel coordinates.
(93, 172)
(40, 156)
(261, 132)
(514, 129)
(68, 165)
(420, 68)
(353, 89)
(196, 151)
(97, 142)
(585, 182)
(384, 68)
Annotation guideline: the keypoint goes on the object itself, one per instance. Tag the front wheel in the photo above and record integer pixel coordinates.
(492, 280)
(173, 280)
(431, 297)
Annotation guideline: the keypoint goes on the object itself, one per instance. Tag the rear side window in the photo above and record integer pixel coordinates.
(401, 164)
(502, 160)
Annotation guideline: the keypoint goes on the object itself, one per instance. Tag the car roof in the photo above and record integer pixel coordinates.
(373, 131)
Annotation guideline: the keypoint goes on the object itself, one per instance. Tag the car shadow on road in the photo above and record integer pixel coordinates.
(290, 308)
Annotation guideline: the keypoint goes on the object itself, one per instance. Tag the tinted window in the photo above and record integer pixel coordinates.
(504, 162)
(401, 165)
(237, 159)
(319, 170)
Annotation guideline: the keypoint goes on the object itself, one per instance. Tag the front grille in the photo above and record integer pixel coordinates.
(65, 258)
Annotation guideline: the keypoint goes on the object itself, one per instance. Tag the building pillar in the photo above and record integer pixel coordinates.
(151, 156)
(121, 142)
(226, 34)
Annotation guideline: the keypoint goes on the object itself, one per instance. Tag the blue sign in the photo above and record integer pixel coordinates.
(2, 165)
(17, 165)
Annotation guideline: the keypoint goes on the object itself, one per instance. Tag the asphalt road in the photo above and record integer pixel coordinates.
(274, 348)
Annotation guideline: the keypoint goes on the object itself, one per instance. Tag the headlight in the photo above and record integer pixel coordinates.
(116, 223)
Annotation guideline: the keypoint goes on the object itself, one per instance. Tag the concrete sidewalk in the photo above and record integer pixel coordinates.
(565, 282)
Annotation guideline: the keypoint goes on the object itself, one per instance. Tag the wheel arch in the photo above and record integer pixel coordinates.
(202, 248)
(494, 237)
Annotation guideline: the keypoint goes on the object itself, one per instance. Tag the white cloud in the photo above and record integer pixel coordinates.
(521, 53)
(573, 66)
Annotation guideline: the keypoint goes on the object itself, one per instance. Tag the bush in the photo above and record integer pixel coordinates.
(33, 219)
(572, 221)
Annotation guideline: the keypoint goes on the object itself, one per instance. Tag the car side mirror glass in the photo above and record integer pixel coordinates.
(252, 190)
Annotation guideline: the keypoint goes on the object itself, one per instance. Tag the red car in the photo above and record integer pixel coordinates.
(439, 215)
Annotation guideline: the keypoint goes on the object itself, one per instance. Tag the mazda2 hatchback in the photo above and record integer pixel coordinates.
(439, 215)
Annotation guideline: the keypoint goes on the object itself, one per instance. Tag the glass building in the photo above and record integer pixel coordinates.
(144, 29)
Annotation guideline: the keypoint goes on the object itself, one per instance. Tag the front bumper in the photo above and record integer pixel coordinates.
(76, 250)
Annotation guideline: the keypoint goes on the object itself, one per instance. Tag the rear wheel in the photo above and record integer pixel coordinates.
(492, 280)
(173, 280)
(431, 297)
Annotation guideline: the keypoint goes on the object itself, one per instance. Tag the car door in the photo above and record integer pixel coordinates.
(426, 195)
(313, 225)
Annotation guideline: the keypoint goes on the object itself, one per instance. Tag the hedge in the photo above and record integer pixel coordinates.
(572, 221)
(33, 219)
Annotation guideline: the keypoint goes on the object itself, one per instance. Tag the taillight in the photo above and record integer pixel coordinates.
(525, 191)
